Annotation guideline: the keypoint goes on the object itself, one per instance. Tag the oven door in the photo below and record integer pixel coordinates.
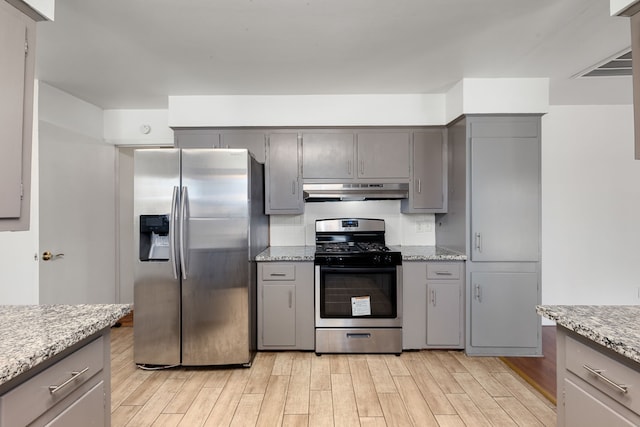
(347, 297)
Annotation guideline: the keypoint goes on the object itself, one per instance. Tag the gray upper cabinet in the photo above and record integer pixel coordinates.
(428, 190)
(383, 155)
(283, 186)
(328, 155)
(196, 138)
(253, 141)
(215, 138)
(505, 199)
(17, 48)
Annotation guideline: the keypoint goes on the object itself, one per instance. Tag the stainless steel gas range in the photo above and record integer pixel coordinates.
(358, 288)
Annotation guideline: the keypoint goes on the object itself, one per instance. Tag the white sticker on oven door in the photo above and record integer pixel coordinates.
(361, 306)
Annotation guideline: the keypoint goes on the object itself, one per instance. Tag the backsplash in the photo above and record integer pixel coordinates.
(401, 229)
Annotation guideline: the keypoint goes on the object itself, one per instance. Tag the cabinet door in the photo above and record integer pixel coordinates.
(444, 323)
(583, 409)
(283, 183)
(328, 155)
(200, 138)
(414, 308)
(253, 141)
(278, 315)
(383, 155)
(505, 199)
(12, 88)
(503, 309)
(427, 192)
(88, 410)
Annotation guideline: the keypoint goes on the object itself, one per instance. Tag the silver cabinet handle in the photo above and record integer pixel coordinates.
(349, 167)
(75, 374)
(433, 297)
(598, 373)
(419, 186)
(443, 273)
(478, 292)
(361, 167)
(358, 335)
(277, 274)
(478, 242)
(290, 299)
(293, 187)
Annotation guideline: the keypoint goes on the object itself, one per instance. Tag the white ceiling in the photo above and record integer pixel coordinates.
(135, 53)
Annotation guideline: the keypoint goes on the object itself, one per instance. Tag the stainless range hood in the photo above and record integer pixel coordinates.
(355, 191)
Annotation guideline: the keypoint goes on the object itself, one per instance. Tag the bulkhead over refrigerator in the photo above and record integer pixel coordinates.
(199, 222)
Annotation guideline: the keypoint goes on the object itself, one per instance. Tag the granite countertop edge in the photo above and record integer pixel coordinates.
(616, 327)
(32, 334)
(409, 253)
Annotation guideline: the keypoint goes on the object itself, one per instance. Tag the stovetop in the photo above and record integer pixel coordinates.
(350, 247)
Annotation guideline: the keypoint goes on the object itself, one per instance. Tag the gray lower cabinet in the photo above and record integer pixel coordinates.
(428, 190)
(283, 183)
(73, 390)
(433, 306)
(285, 306)
(502, 309)
(17, 49)
(596, 387)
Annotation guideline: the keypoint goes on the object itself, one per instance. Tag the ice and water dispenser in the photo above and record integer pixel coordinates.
(154, 237)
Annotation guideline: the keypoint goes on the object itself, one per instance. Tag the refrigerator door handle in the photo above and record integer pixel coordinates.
(172, 232)
(184, 213)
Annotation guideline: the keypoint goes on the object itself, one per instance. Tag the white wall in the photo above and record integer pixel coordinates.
(400, 229)
(590, 206)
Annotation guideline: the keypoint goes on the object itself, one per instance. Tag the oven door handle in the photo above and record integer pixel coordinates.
(371, 269)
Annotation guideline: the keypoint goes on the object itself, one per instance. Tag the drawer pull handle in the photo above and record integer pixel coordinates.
(360, 335)
(75, 374)
(443, 273)
(278, 274)
(598, 373)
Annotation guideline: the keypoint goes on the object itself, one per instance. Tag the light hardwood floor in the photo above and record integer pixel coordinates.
(426, 388)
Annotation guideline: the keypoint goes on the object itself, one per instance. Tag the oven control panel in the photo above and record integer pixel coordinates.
(386, 259)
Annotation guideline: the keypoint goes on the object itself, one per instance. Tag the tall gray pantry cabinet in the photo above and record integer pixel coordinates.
(494, 217)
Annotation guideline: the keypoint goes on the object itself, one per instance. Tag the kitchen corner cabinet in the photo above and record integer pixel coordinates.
(17, 49)
(433, 306)
(83, 395)
(428, 189)
(285, 306)
(283, 186)
(214, 138)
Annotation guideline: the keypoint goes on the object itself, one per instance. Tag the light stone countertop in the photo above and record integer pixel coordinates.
(31, 334)
(409, 253)
(616, 327)
(429, 253)
(287, 253)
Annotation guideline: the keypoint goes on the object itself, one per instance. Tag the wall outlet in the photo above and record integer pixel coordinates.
(424, 227)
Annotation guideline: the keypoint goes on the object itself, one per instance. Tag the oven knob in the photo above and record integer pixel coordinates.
(377, 259)
(388, 259)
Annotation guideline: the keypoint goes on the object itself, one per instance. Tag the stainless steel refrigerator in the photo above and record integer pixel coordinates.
(199, 222)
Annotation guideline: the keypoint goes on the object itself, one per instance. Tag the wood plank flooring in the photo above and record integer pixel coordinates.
(425, 388)
(540, 372)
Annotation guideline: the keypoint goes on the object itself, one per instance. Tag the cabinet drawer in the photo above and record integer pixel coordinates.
(278, 272)
(31, 399)
(443, 270)
(580, 358)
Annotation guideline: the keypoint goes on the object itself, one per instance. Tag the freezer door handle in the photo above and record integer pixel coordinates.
(184, 218)
(172, 232)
